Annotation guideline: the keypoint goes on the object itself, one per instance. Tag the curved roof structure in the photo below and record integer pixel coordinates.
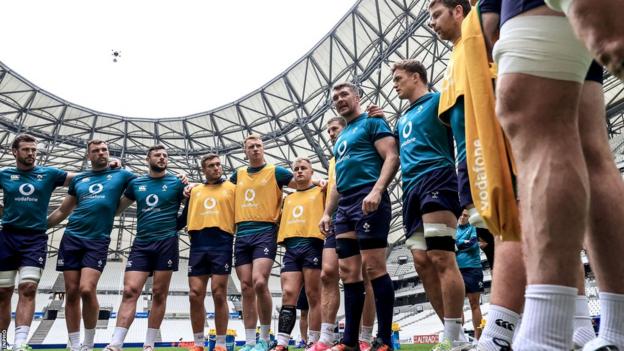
(289, 111)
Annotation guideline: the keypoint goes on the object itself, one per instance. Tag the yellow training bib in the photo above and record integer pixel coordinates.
(212, 205)
(488, 154)
(301, 215)
(258, 197)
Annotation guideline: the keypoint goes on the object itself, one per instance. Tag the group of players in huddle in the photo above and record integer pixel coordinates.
(338, 229)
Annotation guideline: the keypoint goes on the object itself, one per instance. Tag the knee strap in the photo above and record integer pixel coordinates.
(287, 319)
(346, 248)
(439, 237)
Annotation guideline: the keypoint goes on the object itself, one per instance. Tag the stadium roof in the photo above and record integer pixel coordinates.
(289, 111)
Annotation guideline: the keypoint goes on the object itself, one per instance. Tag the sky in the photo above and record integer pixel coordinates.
(177, 57)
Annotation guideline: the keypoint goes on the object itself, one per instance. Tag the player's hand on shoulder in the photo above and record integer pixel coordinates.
(183, 178)
(188, 188)
(323, 184)
(114, 163)
(375, 111)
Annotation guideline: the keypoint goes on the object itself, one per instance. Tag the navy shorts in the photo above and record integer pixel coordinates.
(22, 249)
(248, 248)
(149, 256)
(211, 259)
(372, 229)
(463, 184)
(594, 73)
(330, 241)
(435, 191)
(298, 258)
(302, 301)
(76, 253)
(473, 279)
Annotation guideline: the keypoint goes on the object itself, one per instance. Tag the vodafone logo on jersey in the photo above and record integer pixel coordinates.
(407, 129)
(26, 189)
(151, 200)
(342, 148)
(250, 195)
(96, 188)
(210, 203)
(297, 211)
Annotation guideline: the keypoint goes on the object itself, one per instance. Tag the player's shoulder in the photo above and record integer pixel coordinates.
(142, 179)
(228, 185)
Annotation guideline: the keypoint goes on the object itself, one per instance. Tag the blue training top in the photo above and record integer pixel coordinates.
(468, 251)
(357, 160)
(27, 196)
(425, 144)
(158, 201)
(97, 196)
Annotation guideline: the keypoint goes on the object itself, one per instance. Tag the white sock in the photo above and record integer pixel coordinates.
(250, 336)
(366, 333)
(499, 328)
(612, 318)
(548, 316)
(327, 333)
(21, 334)
(283, 339)
(199, 339)
(313, 336)
(220, 340)
(451, 328)
(150, 337)
(264, 332)
(74, 340)
(583, 329)
(88, 338)
(119, 335)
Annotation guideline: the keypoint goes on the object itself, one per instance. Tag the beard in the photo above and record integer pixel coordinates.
(26, 161)
(157, 168)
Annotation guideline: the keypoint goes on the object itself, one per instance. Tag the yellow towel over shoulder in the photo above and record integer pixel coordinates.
(487, 151)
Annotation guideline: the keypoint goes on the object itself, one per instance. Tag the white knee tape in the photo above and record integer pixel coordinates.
(438, 230)
(475, 219)
(559, 5)
(416, 241)
(29, 274)
(7, 279)
(541, 46)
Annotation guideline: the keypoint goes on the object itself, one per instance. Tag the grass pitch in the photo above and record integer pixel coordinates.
(404, 347)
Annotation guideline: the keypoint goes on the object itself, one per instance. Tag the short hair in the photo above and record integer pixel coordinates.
(302, 159)
(94, 142)
(412, 66)
(349, 85)
(26, 138)
(339, 119)
(451, 4)
(208, 158)
(251, 137)
(156, 147)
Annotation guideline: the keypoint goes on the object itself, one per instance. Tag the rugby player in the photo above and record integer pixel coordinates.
(302, 261)
(27, 190)
(210, 220)
(158, 195)
(430, 201)
(93, 196)
(469, 263)
(330, 292)
(366, 162)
